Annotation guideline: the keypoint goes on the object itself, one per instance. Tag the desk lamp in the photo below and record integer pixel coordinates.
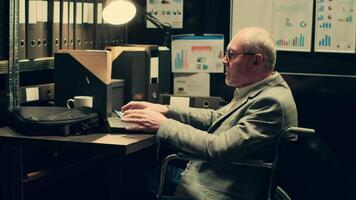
(121, 11)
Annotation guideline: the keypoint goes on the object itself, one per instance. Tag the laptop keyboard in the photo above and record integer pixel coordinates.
(115, 122)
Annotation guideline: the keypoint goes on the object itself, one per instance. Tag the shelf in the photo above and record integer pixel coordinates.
(29, 65)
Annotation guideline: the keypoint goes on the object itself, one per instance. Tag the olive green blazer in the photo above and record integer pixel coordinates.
(245, 130)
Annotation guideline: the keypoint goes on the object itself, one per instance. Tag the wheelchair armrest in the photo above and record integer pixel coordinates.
(293, 133)
(185, 157)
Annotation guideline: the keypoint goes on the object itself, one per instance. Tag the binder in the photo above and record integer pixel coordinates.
(85, 34)
(64, 25)
(129, 63)
(90, 27)
(116, 34)
(71, 24)
(22, 29)
(106, 33)
(105, 28)
(138, 65)
(152, 65)
(4, 47)
(55, 37)
(40, 28)
(165, 76)
(78, 24)
(44, 27)
(99, 25)
(31, 44)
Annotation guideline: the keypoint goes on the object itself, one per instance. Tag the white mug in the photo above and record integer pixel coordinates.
(80, 101)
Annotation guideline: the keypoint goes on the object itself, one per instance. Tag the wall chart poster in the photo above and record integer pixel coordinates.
(192, 53)
(166, 11)
(288, 21)
(292, 24)
(335, 26)
(246, 13)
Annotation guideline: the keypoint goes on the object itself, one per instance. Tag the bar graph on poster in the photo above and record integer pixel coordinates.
(192, 53)
(292, 24)
(288, 21)
(335, 26)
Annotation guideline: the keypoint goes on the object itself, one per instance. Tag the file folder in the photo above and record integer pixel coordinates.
(4, 44)
(71, 24)
(43, 22)
(33, 41)
(78, 24)
(99, 25)
(165, 75)
(55, 38)
(85, 24)
(90, 27)
(22, 29)
(152, 65)
(64, 24)
(116, 34)
(106, 33)
(40, 28)
(129, 63)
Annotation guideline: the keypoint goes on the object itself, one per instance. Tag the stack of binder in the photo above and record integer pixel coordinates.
(46, 26)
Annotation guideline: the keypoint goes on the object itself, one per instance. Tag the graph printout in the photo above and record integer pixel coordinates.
(166, 11)
(246, 13)
(335, 26)
(197, 53)
(292, 24)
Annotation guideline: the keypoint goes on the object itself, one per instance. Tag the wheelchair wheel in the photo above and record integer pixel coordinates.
(280, 194)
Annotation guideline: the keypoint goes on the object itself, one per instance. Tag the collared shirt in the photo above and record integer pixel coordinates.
(242, 92)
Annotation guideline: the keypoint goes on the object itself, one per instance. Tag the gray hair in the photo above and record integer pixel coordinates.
(258, 40)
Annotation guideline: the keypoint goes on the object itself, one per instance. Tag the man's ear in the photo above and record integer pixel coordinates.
(258, 59)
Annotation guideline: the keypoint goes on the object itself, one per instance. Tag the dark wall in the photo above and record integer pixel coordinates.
(4, 33)
(326, 100)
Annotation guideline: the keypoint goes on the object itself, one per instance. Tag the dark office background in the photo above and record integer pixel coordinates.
(323, 85)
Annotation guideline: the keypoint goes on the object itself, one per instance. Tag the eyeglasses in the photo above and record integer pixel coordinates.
(229, 54)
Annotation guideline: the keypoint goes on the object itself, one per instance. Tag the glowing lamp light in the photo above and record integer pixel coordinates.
(119, 12)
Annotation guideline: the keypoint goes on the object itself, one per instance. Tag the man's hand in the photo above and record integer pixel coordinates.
(163, 109)
(146, 120)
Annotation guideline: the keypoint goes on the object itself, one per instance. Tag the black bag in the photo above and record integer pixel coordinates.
(35, 121)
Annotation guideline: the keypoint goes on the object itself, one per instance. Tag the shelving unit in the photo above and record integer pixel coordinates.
(13, 63)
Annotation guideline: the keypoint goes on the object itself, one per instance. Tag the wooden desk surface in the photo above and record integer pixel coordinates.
(129, 143)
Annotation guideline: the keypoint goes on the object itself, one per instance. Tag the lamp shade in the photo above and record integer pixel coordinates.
(119, 12)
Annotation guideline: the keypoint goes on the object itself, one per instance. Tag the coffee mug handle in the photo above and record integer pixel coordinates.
(70, 101)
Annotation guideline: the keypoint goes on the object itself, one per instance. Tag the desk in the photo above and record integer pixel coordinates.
(116, 145)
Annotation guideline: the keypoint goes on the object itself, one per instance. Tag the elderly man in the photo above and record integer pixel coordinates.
(246, 128)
